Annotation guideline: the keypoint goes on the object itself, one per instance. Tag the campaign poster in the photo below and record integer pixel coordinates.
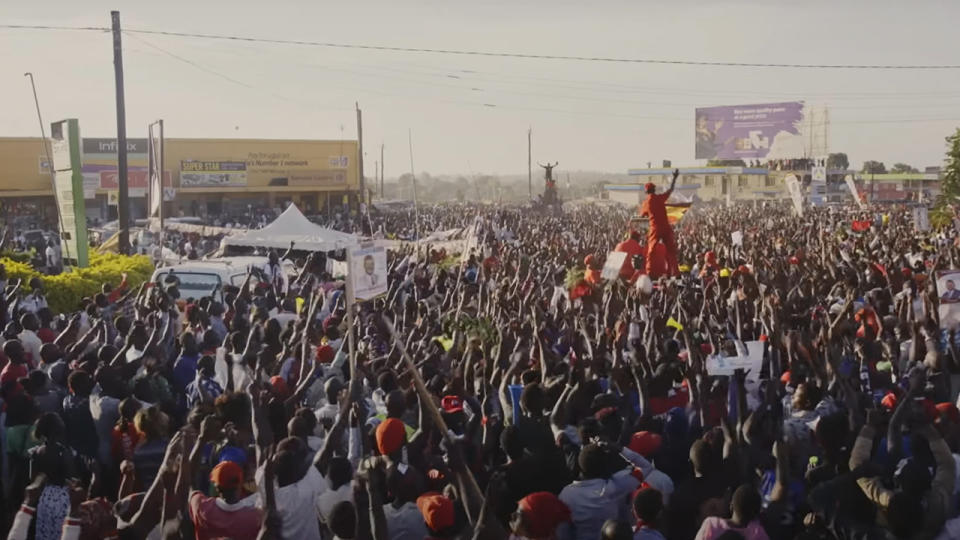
(368, 271)
(767, 130)
(948, 291)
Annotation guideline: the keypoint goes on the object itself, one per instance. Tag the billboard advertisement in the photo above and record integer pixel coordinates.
(100, 165)
(213, 173)
(761, 131)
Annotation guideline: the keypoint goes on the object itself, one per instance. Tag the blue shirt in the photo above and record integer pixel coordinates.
(185, 370)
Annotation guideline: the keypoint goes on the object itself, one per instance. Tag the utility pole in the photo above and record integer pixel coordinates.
(381, 171)
(363, 184)
(46, 152)
(123, 202)
(530, 161)
(413, 175)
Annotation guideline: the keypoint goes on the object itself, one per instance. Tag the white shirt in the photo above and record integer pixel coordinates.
(33, 302)
(592, 502)
(298, 504)
(331, 498)
(405, 523)
(31, 345)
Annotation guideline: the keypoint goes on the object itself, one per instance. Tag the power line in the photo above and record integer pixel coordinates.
(526, 56)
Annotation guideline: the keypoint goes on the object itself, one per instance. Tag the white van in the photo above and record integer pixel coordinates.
(202, 278)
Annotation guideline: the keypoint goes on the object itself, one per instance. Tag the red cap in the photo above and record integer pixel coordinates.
(227, 475)
(279, 385)
(763, 338)
(950, 410)
(437, 511)
(645, 443)
(743, 269)
(542, 512)
(451, 404)
(889, 401)
(785, 377)
(604, 412)
(325, 354)
(391, 436)
(794, 260)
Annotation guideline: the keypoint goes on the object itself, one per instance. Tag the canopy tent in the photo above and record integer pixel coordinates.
(292, 226)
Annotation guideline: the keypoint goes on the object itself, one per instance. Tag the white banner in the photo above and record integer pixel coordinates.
(736, 237)
(921, 218)
(750, 357)
(793, 186)
(154, 170)
(611, 268)
(853, 190)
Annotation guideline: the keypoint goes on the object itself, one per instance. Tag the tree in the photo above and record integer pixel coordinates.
(950, 186)
(838, 161)
(902, 168)
(874, 167)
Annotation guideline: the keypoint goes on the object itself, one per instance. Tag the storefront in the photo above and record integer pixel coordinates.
(202, 177)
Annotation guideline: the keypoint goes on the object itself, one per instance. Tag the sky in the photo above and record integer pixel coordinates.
(470, 115)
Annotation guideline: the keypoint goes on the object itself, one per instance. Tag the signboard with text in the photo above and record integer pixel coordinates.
(764, 131)
(213, 173)
(68, 186)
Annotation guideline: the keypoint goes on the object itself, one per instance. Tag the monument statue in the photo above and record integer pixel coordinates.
(548, 168)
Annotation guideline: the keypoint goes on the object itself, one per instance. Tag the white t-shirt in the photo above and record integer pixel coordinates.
(331, 498)
(298, 504)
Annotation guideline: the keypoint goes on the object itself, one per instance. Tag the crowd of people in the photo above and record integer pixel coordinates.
(516, 392)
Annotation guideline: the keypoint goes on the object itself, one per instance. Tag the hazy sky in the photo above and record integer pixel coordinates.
(470, 114)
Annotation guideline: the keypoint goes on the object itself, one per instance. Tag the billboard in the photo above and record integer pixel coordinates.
(761, 131)
(100, 165)
(213, 173)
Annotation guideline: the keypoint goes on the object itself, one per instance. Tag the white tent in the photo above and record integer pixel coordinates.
(292, 226)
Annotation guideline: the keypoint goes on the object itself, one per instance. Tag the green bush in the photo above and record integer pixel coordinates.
(64, 291)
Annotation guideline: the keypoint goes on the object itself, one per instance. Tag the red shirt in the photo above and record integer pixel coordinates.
(46, 335)
(215, 518)
(655, 208)
(660, 405)
(632, 248)
(12, 372)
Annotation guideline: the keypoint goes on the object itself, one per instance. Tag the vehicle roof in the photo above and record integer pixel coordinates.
(239, 263)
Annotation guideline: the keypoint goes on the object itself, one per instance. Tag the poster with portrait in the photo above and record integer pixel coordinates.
(948, 291)
(368, 271)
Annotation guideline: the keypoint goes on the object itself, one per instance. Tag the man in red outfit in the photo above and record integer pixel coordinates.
(631, 246)
(654, 208)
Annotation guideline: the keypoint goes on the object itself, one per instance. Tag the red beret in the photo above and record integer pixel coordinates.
(391, 435)
(437, 511)
(542, 512)
(645, 443)
(325, 354)
(227, 475)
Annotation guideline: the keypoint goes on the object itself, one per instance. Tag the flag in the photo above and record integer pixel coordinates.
(676, 211)
(672, 323)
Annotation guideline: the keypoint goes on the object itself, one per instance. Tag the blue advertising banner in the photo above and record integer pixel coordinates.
(768, 130)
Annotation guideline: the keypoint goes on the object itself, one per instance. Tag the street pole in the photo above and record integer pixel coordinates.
(381, 171)
(363, 184)
(123, 202)
(530, 161)
(413, 175)
(46, 152)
